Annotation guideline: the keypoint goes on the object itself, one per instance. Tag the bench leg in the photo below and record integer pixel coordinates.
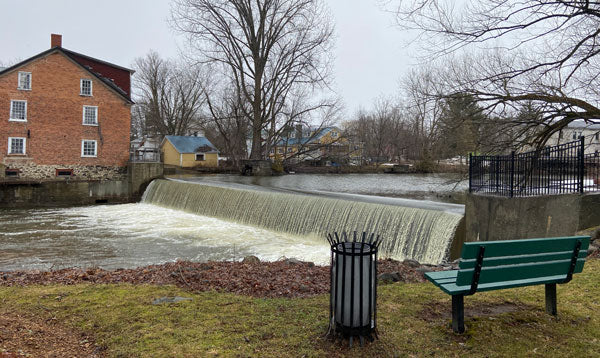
(458, 313)
(551, 299)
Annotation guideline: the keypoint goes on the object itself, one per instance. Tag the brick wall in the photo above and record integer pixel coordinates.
(54, 128)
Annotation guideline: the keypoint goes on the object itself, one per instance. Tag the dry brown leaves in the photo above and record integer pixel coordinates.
(262, 279)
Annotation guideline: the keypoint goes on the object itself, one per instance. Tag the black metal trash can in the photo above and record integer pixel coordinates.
(353, 294)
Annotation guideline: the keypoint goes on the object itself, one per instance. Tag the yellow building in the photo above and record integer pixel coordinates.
(189, 152)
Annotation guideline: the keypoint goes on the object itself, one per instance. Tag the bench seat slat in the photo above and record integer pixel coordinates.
(519, 272)
(442, 277)
(522, 259)
(436, 275)
(454, 289)
(523, 247)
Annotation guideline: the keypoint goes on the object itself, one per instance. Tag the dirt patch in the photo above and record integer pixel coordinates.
(22, 336)
(261, 279)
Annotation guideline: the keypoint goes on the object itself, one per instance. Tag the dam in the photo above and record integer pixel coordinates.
(227, 218)
(422, 234)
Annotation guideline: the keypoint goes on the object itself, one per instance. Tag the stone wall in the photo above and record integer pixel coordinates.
(31, 171)
(499, 218)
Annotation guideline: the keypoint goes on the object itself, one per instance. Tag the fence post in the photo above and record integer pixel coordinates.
(470, 171)
(512, 173)
(581, 158)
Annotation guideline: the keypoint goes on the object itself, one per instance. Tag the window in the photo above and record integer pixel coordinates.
(85, 87)
(88, 148)
(11, 172)
(24, 81)
(90, 115)
(64, 172)
(18, 111)
(199, 157)
(16, 145)
(289, 150)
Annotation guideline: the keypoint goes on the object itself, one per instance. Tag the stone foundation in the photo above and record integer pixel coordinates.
(31, 171)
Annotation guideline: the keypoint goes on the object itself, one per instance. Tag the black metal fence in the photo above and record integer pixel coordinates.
(559, 169)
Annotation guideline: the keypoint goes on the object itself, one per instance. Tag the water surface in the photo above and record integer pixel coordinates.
(436, 187)
(132, 235)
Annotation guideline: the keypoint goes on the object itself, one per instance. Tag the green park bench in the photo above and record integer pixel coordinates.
(495, 265)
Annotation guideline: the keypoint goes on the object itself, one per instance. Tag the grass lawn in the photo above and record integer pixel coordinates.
(413, 319)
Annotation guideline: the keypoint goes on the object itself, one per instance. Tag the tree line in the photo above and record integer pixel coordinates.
(496, 75)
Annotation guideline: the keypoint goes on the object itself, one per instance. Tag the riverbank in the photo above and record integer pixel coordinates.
(76, 319)
(284, 278)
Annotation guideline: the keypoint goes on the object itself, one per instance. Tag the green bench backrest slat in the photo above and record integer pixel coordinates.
(519, 272)
(522, 259)
(523, 247)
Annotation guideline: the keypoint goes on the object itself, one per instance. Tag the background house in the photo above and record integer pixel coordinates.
(64, 114)
(576, 129)
(189, 152)
(145, 149)
(322, 145)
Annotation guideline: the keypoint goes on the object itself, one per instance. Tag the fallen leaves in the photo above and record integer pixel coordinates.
(258, 279)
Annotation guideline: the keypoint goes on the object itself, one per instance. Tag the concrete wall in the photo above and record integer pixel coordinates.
(18, 193)
(498, 218)
(141, 174)
(589, 214)
(65, 193)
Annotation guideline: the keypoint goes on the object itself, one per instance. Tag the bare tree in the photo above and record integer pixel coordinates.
(536, 52)
(384, 130)
(169, 96)
(275, 52)
(424, 100)
(226, 125)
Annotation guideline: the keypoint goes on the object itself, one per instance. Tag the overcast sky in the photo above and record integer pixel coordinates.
(370, 56)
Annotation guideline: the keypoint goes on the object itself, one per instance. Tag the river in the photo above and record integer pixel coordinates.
(132, 235)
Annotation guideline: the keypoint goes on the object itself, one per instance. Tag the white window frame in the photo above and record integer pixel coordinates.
(12, 101)
(200, 160)
(81, 87)
(83, 155)
(83, 116)
(10, 139)
(21, 73)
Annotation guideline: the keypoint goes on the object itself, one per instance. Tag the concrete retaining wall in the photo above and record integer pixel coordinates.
(24, 194)
(140, 175)
(498, 218)
(66, 193)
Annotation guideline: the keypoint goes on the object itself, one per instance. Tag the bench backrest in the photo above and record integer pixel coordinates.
(513, 260)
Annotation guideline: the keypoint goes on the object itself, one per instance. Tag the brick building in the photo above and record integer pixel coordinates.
(64, 114)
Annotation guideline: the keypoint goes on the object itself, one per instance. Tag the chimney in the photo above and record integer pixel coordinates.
(55, 40)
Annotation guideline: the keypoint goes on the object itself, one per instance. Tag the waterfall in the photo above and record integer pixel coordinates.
(419, 234)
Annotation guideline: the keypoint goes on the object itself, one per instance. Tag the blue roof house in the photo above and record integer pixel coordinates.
(189, 152)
